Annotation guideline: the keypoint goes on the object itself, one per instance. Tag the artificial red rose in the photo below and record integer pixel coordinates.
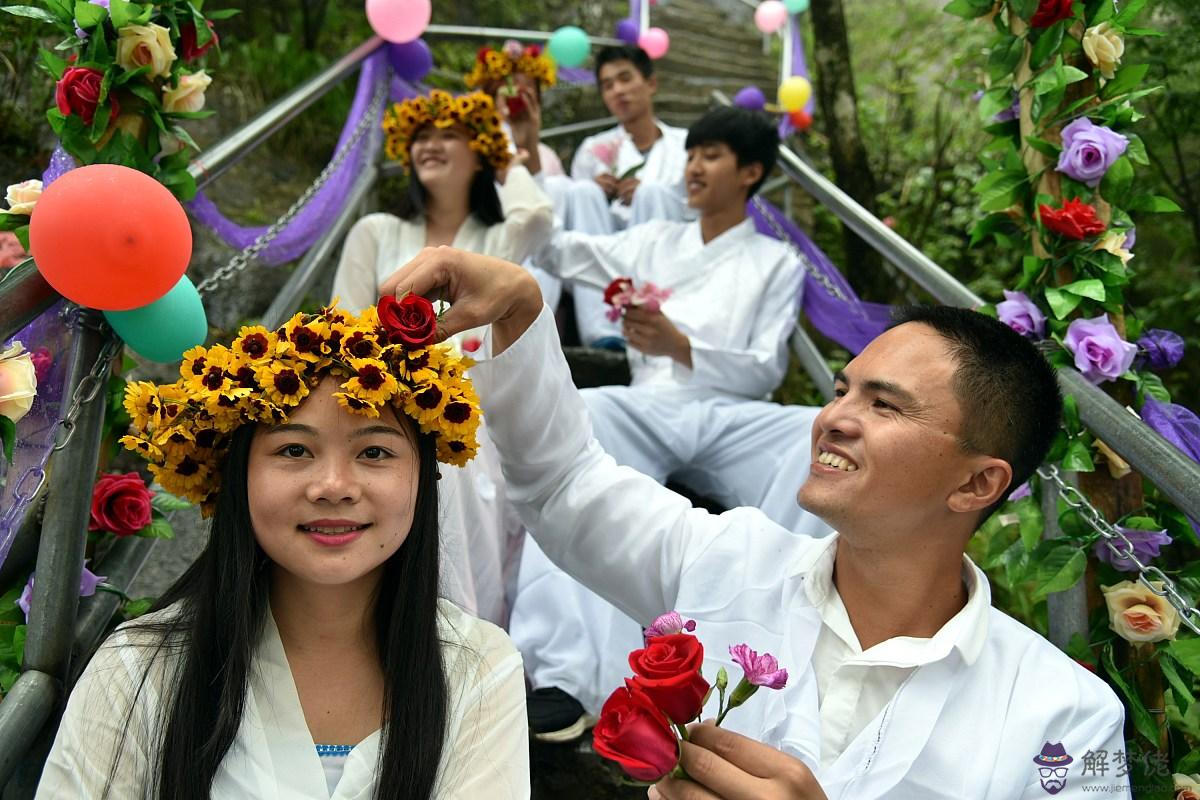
(636, 735)
(481, 54)
(1051, 11)
(516, 106)
(667, 669)
(1076, 220)
(120, 504)
(409, 321)
(618, 286)
(78, 92)
(187, 41)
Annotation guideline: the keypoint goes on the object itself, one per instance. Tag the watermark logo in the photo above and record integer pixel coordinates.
(1052, 766)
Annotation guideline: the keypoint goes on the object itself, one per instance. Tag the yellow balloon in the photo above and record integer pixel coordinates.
(794, 93)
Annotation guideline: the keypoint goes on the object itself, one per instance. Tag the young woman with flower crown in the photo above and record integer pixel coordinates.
(306, 653)
(455, 149)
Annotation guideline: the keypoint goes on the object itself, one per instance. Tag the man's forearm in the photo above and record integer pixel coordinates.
(524, 309)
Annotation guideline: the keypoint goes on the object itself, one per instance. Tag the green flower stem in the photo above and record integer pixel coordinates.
(105, 586)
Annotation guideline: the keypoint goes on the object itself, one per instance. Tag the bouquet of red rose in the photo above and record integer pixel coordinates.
(622, 294)
(642, 722)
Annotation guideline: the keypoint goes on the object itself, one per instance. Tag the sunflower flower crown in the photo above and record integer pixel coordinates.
(184, 428)
(476, 111)
(497, 65)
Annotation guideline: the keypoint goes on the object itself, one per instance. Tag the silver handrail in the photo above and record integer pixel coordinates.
(473, 32)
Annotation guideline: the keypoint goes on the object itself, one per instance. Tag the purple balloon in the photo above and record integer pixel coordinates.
(411, 60)
(627, 30)
(750, 97)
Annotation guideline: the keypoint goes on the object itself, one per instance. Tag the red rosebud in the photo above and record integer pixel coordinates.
(1051, 11)
(409, 321)
(533, 51)
(1076, 220)
(636, 735)
(120, 504)
(667, 669)
(516, 106)
(482, 54)
(618, 286)
(78, 92)
(187, 41)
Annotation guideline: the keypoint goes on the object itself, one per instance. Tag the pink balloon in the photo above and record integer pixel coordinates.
(399, 21)
(770, 15)
(655, 42)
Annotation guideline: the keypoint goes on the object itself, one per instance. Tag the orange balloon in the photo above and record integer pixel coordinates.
(110, 237)
(801, 119)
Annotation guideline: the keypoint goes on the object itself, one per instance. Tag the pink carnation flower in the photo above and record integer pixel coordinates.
(760, 670)
(669, 623)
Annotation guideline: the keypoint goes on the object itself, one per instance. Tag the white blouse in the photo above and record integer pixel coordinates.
(273, 756)
(379, 244)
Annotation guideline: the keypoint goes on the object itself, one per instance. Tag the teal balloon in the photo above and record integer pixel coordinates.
(164, 329)
(569, 46)
(796, 6)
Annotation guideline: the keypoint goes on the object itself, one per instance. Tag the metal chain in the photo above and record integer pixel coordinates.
(241, 260)
(809, 267)
(1118, 543)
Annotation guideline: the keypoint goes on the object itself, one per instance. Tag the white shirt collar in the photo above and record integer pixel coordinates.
(966, 630)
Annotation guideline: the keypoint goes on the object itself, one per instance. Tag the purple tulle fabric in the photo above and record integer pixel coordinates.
(850, 322)
(35, 431)
(316, 217)
(1179, 426)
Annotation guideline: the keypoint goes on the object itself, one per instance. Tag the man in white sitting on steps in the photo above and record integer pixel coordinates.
(904, 682)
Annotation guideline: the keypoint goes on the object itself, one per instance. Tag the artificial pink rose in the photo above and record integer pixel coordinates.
(120, 504)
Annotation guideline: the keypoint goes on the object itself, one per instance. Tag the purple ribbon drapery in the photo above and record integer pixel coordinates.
(35, 431)
(1179, 426)
(316, 217)
(799, 67)
(846, 320)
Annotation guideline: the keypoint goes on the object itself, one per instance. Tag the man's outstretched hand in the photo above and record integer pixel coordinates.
(723, 765)
(481, 290)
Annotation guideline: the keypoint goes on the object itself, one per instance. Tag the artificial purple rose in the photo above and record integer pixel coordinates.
(80, 32)
(1089, 150)
(1021, 492)
(88, 581)
(1130, 239)
(1146, 546)
(669, 623)
(1163, 349)
(1021, 314)
(1100, 352)
(759, 670)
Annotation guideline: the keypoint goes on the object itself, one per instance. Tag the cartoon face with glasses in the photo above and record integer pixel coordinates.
(1052, 767)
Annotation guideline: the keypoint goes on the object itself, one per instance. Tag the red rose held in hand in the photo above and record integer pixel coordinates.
(1076, 220)
(1049, 12)
(618, 286)
(636, 735)
(78, 92)
(409, 321)
(120, 504)
(667, 669)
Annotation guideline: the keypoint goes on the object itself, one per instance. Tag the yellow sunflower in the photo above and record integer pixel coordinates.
(282, 382)
(372, 382)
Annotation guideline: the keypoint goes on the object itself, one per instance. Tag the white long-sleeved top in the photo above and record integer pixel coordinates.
(736, 297)
(273, 756)
(982, 696)
(379, 244)
(664, 162)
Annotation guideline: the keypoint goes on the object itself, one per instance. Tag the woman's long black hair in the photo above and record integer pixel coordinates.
(483, 200)
(223, 600)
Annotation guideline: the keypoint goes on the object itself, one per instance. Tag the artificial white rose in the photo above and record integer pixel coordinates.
(18, 382)
(146, 46)
(22, 196)
(189, 95)
(1104, 48)
(1138, 614)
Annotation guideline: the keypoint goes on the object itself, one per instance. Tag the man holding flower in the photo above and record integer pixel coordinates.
(903, 682)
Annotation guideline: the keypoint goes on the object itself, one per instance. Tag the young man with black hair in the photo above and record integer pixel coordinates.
(903, 681)
(605, 192)
(702, 366)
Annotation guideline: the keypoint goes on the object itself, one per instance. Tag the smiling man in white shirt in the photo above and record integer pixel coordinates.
(933, 424)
